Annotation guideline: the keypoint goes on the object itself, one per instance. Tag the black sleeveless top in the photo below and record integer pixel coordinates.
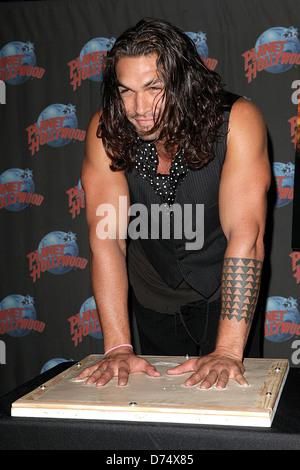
(167, 268)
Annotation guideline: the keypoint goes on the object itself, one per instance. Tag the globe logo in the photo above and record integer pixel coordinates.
(200, 42)
(282, 319)
(280, 34)
(90, 306)
(70, 250)
(17, 48)
(284, 174)
(23, 308)
(9, 191)
(69, 121)
(101, 45)
(52, 363)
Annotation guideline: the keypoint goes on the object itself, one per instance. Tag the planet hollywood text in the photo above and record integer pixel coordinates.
(90, 65)
(49, 257)
(12, 67)
(50, 130)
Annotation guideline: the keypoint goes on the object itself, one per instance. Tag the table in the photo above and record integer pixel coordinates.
(66, 434)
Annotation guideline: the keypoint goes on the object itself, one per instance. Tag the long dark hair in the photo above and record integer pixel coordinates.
(192, 113)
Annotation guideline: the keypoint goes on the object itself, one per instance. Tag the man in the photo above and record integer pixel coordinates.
(169, 135)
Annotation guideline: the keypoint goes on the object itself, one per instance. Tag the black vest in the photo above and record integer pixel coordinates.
(200, 268)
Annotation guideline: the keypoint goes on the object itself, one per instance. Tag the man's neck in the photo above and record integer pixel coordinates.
(164, 157)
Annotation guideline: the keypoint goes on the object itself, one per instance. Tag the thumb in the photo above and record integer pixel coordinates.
(152, 371)
(182, 368)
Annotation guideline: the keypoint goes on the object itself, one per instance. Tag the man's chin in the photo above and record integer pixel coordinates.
(146, 138)
(144, 135)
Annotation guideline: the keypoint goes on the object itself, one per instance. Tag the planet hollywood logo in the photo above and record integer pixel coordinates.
(89, 64)
(56, 126)
(76, 199)
(295, 120)
(86, 322)
(18, 63)
(57, 253)
(295, 256)
(18, 316)
(276, 50)
(200, 42)
(284, 174)
(282, 319)
(295, 125)
(17, 190)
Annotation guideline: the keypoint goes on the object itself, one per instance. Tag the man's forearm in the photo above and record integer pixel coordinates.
(240, 288)
(110, 286)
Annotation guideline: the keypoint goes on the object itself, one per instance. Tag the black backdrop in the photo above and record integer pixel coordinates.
(50, 67)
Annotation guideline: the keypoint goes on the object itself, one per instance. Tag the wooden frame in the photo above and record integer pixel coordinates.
(160, 399)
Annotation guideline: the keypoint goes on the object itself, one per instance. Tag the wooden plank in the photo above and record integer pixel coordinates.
(160, 399)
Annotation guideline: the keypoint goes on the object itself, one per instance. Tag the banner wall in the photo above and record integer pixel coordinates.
(51, 57)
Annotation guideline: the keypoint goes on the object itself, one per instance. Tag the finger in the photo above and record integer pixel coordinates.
(241, 380)
(195, 378)
(95, 375)
(88, 371)
(105, 377)
(222, 379)
(209, 380)
(123, 377)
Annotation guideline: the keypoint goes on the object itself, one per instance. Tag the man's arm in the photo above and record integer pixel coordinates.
(103, 188)
(242, 204)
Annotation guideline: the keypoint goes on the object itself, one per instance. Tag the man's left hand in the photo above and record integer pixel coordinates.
(215, 368)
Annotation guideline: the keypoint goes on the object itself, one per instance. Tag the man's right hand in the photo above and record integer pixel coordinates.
(119, 365)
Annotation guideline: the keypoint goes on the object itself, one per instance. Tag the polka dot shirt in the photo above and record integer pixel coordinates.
(164, 185)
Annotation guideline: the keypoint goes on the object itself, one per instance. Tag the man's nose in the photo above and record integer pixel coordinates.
(141, 104)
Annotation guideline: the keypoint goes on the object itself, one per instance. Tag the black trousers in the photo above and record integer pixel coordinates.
(191, 331)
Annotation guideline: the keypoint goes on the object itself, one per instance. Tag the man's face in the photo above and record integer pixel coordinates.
(141, 90)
